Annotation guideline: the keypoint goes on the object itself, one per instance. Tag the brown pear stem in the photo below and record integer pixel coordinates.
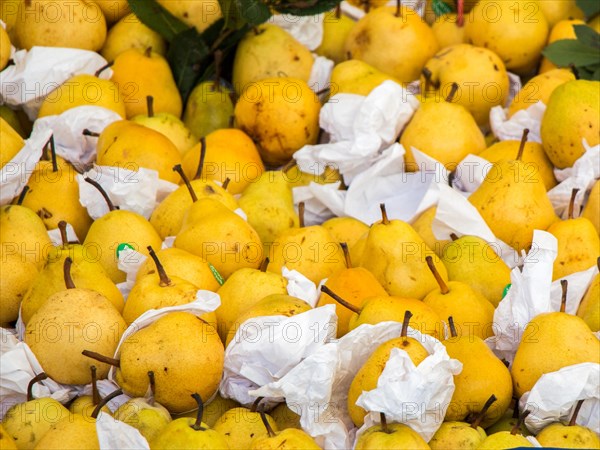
(202, 156)
(398, 8)
(39, 377)
(288, 165)
(405, 322)
(148, 52)
(452, 93)
(338, 11)
(573, 420)
(453, 332)
(572, 203)
(484, 410)
(384, 425)
(177, 168)
(436, 274)
(22, 195)
(522, 145)
(340, 300)
(197, 425)
(384, 216)
(265, 264)
(574, 71)
(517, 426)
(460, 15)
(67, 273)
(226, 183)
(301, 214)
(427, 75)
(95, 393)
(598, 263)
(105, 401)
(453, 236)
(150, 105)
(152, 386)
(563, 299)
(254, 406)
(53, 154)
(103, 68)
(266, 423)
(87, 132)
(62, 227)
(111, 206)
(101, 358)
(164, 278)
(346, 255)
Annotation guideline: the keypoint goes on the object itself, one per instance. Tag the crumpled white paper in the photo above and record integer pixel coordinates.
(138, 191)
(360, 128)
(69, 140)
(129, 261)
(16, 173)
(582, 175)
(320, 75)
(265, 349)
(511, 129)
(41, 70)
(113, 434)
(300, 287)
(528, 296)
(555, 395)
(411, 394)
(56, 238)
(308, 30)
(470, 173)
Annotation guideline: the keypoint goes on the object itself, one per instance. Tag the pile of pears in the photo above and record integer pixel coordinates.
(232, 223)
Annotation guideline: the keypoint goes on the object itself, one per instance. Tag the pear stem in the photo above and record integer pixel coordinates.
(104, 402)
(340, 300)
(39, 377)
(150, 105)
(177, 168)
(452, 93)
(522, 145)
(338, 11)
(87, 132)
(384, 425)
(202, 156)
(460, 16)
(111, 205)
(198, 423)
(301, 214)
(101, 358)
(427, 75)
(265, 264)
(67, 273)
(95, 393)
(288, 165)
(453, 236)
(148, 52)
(572, 203)
(484, 410)
(405, 322)
(563, 299)
(266, 423)
(452, 327)
(436, 274)
(517, 426)
(226, 183)
(164, 278)
(573, 420)
(384, 216)
(103, 68)
(255, 404)
(53, 154)
(62, 226)
(22, 195)
(346, 255)
(398, 8)
(152, 386)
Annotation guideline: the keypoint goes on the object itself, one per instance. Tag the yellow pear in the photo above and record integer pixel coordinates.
(503, 440)
(591, 211)
(336, 27)
(199, 14)
(448, 31)
(346, 229)
(561, 30)
(242, 426)
(288, 439)
(367, 376)
(589, 308)
(458, 436)
(71, 433)
(216, 408)
(12, 142)
(390, 436)
(356, 77)
(281, 115)
(557, 10)
(400, 268)
(140, 73)
(570, 435)
(295, 177)
(267, 51)
(539, 88)
(128, 33)
(573, 114)
(60, 23)
(423, 227)
(113, 9)
(9, 10)
(4, 48)
(594, 23)
(198, 349)
(128, 145)
(513, 202)
(516, 32)
(285, 417)
(16, 276)
(6, 440)
(394, 40)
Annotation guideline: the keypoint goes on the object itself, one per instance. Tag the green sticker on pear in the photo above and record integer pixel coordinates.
(506, 289)
(216, 274)
(122, 246)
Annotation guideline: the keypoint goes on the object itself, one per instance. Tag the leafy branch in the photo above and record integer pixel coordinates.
(581, 54)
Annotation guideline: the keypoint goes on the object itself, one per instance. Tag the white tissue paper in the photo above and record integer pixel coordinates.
(39, 71)
(69, 140)
(511, 129)
(470, 173)
(138, 191)
(582, 175)
(300, 287)
(528, 296)
(308, 30)
(113, 434)
(16, 173)
(267, 348)
(56, 237)
(555, 395)
(411, 394)
(577, 285)
(456, 215)
(320, 75)
(129, 261)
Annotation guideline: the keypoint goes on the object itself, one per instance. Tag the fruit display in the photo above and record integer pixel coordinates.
(298, 225)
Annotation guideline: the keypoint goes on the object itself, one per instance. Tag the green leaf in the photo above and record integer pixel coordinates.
(567, 52)
(304, 7)
(187, 55)
(440, 8)
(238, 12)
(596, 75)
(587, 36)
(589, 7)
(154, 16)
